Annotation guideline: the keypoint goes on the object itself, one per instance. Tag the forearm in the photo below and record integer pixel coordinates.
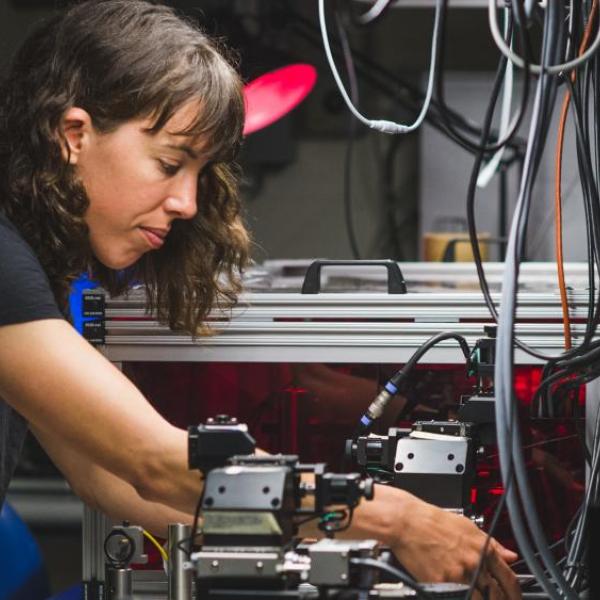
(372, 519)
(120, 501)
(74, 396)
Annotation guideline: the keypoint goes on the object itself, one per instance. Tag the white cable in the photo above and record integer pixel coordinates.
(383, 125)
(373, 12)
(537, 69)
(488, 171)
(529, 4)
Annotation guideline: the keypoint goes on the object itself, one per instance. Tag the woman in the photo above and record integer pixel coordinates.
(119, 124)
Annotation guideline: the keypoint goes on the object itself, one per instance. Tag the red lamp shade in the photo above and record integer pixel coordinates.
(274, 94)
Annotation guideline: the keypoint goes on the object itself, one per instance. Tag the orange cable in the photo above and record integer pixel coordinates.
(558, 239)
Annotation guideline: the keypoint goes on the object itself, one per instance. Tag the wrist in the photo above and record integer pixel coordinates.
(382, 517)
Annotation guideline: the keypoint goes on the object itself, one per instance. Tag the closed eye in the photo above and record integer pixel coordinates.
(169, 168)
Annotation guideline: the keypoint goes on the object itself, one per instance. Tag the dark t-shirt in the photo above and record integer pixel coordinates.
(25, 295)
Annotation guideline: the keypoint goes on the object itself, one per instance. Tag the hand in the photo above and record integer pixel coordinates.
(434, 545)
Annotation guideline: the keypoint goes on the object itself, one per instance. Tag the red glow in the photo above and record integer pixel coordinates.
(274, 94)
(473, 495)
(527, 380)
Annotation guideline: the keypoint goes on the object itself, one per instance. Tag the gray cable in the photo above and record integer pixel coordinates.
(537, 69)
(383, 125)
(505, 412)
(374, 12)
(576, 550)
(509, 442)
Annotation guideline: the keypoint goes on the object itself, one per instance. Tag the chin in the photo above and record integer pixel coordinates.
(117, 263)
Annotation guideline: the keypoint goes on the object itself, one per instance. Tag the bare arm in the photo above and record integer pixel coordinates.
(68, 391)
(104, 491)
(432, 544)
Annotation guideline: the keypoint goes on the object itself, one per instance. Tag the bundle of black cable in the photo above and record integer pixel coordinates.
(594, 550)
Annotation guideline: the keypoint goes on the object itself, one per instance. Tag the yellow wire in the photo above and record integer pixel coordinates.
(162, 551)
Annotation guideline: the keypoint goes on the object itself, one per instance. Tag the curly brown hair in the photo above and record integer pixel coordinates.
(121, 60)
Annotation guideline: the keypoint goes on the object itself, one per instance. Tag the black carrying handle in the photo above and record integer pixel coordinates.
(312, 279)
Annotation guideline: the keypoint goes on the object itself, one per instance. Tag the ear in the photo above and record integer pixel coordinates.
(76, 131)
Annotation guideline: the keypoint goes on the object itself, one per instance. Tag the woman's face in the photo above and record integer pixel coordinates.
(137, 182)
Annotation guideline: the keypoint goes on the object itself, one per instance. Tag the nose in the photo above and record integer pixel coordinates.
(181, 200)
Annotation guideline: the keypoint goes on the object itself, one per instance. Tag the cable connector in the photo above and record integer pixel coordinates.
(378, 405)
(385, 126)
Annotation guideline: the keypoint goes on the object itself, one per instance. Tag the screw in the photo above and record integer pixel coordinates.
(214, 565)
(259, 565)
(399, 466)
(343, 576)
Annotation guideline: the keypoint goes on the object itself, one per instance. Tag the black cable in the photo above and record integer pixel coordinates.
(194, 531)
(401, 576)
(493, 524)
(439, 86)
(586, 352)
(379, 78)
(425, 347)
(352, 129)
(473, 232)
(377, 406)
(390, 197)
(331, 530)
(529, 532)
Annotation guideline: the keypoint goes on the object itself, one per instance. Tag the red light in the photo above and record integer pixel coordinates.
(473, 495)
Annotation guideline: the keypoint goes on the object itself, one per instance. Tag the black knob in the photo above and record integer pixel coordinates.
(369, 490)
(350, 449)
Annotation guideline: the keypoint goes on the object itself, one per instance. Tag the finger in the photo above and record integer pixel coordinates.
(504, 576)
(508, 555)
(496, 592)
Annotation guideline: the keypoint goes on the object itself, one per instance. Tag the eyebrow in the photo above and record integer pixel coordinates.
(183, 148)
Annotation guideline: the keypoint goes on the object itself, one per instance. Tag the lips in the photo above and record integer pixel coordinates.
(154, 236)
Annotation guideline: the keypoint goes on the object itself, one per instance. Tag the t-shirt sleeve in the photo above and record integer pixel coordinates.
(25, 292)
